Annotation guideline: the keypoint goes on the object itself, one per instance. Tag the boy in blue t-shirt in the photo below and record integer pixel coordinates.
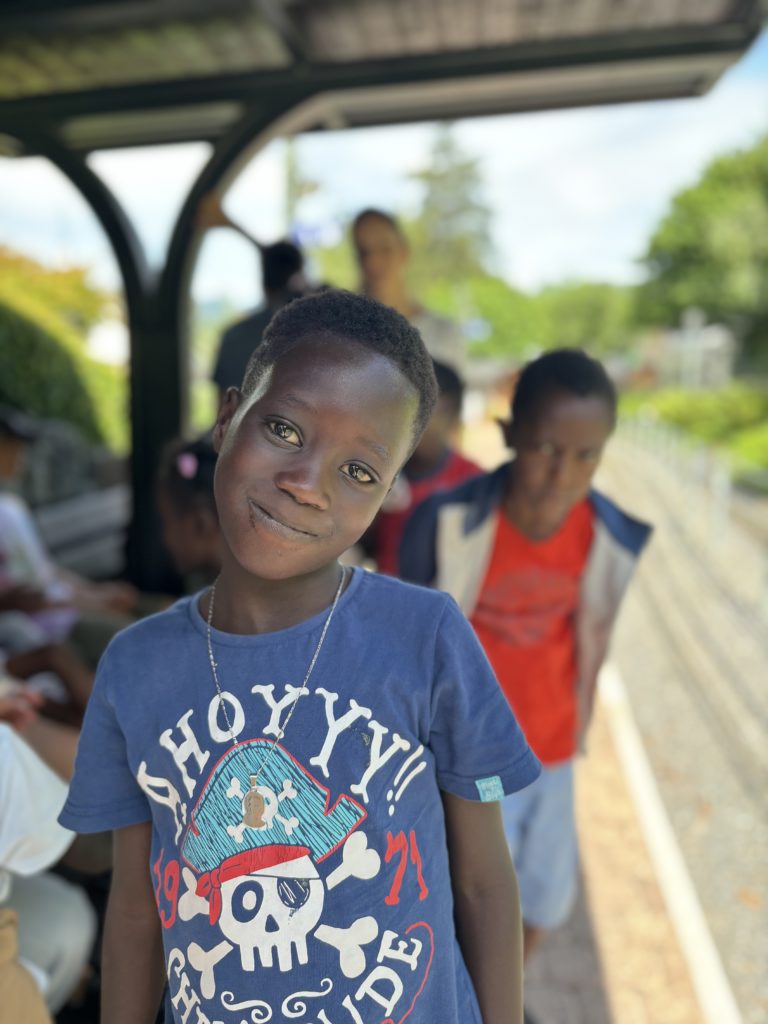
(303, 764)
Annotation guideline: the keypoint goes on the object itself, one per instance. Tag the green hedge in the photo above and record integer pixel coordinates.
(750, 447)
(733, 419)
(48, 378)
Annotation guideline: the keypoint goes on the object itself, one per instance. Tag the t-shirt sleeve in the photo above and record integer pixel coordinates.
(480, 751)
(104, 793)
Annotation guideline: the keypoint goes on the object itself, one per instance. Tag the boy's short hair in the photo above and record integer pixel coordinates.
(449, 385)
(279, 262)
(337, 314)
(563, 369)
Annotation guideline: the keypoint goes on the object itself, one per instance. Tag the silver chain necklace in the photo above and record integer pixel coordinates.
(253, 803)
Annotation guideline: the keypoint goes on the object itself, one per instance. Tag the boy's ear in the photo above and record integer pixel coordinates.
(230, 403)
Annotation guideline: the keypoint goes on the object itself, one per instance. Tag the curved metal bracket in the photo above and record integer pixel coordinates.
(251, 133)
(122, 236)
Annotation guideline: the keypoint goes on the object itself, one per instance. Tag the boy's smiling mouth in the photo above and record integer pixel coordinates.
(259, 516)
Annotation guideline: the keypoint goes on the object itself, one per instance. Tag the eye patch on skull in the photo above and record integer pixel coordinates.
(248, 897)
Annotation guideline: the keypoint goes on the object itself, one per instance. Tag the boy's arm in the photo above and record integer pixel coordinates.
(133, 972)
(89, 854)
(61, 659)
(487, 907)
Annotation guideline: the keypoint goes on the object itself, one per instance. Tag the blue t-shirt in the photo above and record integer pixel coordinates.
(320, 890)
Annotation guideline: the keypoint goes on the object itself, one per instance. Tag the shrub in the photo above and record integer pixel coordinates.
(48, 379)
(711, 416)
(734, 419)
(40, 376)
(750, 447)
(45, 315)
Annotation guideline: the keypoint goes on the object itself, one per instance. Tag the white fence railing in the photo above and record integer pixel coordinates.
(730, 529)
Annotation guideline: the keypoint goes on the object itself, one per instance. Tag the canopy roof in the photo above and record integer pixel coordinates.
(104, 73)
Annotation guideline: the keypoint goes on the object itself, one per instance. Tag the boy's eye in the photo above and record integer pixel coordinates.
(359, 473)
(284, 431)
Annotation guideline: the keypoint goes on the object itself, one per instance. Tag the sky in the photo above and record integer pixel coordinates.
(575, 194)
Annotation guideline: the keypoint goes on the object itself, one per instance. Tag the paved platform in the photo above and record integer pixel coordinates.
(617, 961)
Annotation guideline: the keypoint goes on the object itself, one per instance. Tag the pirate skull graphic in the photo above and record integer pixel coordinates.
(272, 912)
(258, 880)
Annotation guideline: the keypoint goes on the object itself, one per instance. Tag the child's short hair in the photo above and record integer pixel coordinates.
(563, 369)
(186, 473)
(279, 262)
(336, 314)
(388, 218)
(449, 385)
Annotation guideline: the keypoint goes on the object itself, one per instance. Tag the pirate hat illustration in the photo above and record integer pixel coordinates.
(224, 840)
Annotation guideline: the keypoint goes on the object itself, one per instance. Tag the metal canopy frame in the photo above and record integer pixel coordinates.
(52, 110)
(239, 113)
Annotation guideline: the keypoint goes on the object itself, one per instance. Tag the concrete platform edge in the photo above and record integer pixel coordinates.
(708, 976)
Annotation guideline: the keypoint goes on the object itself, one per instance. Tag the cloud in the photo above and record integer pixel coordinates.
(578, 193)
(43, 215)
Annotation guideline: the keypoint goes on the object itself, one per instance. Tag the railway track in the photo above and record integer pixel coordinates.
(720, 646)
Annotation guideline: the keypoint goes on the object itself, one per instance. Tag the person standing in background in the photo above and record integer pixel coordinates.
(382, 253)
(282, 280)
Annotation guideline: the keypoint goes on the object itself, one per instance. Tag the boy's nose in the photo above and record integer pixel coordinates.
(305, 483)
(561, 470)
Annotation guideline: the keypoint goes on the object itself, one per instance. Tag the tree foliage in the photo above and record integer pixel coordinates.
(711, 250)
(40, 376)
(498, 320)
(732, 419)
(44, 318)
(62, 301)
(335, 264)
(599, 318)
(503, 322)
(450, 236)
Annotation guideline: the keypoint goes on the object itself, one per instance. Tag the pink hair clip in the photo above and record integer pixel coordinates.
(186, 464)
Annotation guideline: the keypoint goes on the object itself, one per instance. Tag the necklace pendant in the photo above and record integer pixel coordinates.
(253, 806)
(254, 810)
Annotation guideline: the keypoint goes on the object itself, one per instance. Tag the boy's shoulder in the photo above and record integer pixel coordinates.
(629, 531)
(152, 633)
(480, 488)
(387, 599)
(398, 598)
(409, 620)
(480, 494)
(484, 492)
